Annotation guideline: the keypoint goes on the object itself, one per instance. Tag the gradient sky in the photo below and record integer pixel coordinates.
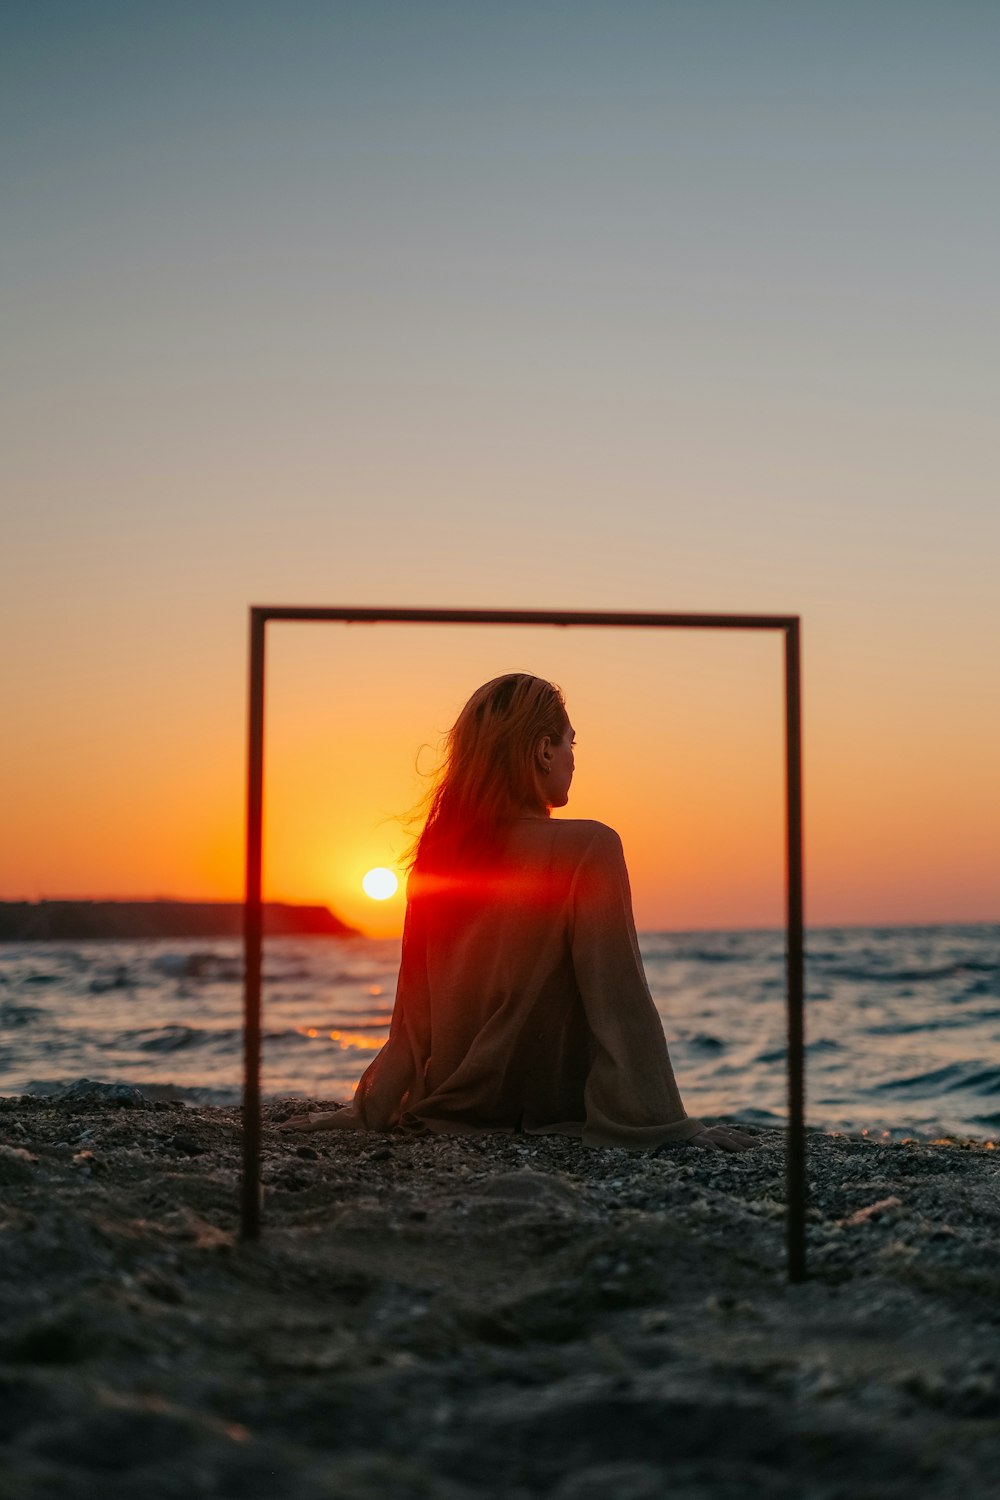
(618, 305)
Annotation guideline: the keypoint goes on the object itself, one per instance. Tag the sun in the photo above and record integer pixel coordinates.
(380, 884)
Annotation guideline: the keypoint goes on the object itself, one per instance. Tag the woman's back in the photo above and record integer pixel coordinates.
(505, 1026)
(522, 1001)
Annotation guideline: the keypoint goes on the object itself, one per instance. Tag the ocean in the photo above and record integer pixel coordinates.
(902, 1023)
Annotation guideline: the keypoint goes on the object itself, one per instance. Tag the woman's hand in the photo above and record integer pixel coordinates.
(722, 1138)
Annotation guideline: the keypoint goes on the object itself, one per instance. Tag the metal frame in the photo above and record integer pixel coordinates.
(789, 625)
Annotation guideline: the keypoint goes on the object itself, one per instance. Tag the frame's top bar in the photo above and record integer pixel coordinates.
(372, 616)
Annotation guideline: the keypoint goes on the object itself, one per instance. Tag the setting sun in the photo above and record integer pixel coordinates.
(380, 884)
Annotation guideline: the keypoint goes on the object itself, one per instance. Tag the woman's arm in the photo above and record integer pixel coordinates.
(631, 1095)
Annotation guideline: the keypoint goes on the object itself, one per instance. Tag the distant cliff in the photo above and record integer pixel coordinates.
(69, 921)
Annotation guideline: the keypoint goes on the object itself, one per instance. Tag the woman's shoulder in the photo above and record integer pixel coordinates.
(583, 834)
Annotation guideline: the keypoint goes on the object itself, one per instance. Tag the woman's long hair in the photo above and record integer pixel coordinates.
(488, 774)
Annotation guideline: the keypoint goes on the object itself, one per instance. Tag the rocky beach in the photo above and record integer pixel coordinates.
(489, 1316)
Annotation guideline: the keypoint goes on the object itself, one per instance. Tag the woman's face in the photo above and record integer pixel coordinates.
(557, 758)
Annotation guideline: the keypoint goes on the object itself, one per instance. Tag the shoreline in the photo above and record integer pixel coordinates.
(492, 1315)
(227, 1099)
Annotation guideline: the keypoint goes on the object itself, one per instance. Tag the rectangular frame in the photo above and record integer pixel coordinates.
(789, 625)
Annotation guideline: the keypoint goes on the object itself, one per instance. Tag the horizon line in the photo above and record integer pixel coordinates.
(916, 924)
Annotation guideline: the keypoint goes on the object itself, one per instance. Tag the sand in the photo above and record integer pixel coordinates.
(501, 1316)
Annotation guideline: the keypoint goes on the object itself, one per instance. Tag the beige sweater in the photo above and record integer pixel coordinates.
(522, 1004)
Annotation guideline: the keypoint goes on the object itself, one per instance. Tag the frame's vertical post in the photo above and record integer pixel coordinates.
(253, 933)
(796, 1162)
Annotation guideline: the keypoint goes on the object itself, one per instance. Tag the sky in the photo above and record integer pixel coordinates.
(631, 305)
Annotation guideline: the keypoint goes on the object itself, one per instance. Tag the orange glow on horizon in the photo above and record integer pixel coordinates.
(679, 748)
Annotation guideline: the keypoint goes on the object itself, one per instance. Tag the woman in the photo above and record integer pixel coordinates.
(521, 1001)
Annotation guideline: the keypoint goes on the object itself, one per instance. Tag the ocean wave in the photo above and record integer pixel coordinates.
(909, 1028)
(170, 1038)
(120, 978)
(354, 978)
(204, 964)
(969, 1077)
(12, 1014)
(982, 987)
(691, 955)
(820, 1045)
(883, 975)
(706, 1041)
(227, 968)
(177, 1038)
